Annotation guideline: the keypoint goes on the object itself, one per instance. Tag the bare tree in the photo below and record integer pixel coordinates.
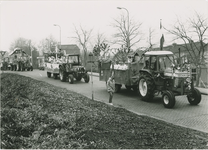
(82, 37)
(196, 27)
(128, 32)
(19, 42)
(100, 38)
(47, 44)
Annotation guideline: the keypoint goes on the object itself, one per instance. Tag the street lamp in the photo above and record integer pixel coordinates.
(128, 34)
(48, 45)
(60, 35)
(91, 61)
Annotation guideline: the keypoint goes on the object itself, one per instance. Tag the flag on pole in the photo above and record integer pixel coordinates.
(162, 39)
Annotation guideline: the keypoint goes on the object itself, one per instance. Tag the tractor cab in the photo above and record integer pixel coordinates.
(73, 59)
(159, 61)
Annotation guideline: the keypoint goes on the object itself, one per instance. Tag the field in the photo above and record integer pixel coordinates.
(36, 115)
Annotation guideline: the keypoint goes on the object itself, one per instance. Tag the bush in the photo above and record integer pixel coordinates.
(35, 115)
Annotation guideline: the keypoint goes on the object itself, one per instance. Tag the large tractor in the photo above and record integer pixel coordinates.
(162, 75)
(71, 69)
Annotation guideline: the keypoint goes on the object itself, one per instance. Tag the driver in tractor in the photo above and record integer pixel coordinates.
(153, 64)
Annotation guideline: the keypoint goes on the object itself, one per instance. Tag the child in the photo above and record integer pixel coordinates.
(111, 88)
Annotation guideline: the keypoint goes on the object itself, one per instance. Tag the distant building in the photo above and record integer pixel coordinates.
(69, 49)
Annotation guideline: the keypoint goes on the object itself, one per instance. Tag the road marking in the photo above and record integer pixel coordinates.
(40, 74)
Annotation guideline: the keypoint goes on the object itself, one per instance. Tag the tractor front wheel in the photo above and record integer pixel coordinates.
(168, 99)
(71, 79)
(87, 78)
(62, 75)
(195, 97)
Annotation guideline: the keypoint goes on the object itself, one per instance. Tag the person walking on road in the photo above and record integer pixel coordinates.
(111, 88)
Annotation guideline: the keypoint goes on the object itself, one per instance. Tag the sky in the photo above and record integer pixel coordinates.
(35, 19)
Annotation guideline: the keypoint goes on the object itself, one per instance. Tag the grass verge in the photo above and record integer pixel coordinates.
(35, 114)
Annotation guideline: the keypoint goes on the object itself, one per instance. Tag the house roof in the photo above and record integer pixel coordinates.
(16, 51)
(71, 49)
(152, 53)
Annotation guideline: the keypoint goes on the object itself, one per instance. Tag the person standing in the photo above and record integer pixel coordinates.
(111, 88)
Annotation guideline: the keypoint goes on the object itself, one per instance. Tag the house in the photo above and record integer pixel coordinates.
(72, 49)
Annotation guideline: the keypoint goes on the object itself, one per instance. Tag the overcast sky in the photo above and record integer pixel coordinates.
(34, 19)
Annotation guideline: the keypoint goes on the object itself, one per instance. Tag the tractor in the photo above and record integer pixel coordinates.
(162, 75)
(71, 69)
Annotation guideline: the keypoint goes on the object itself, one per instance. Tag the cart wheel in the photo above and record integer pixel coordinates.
(117, 88)
(168, 99)
(128, 87)
(48, 74)
(195, 97)
(55, 76)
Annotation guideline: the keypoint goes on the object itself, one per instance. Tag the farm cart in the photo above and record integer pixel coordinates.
(52, 64)
(70, 68)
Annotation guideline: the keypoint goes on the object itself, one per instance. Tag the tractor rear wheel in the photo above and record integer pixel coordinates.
(78, 78)
(195, 97)
(146, 87)
(71, 79)
(168, 99)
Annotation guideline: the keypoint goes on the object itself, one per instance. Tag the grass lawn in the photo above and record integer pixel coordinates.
(35, 114)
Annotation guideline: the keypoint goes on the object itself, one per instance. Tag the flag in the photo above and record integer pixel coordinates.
(162, 39)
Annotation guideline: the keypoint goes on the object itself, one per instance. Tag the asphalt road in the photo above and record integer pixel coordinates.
(183, 114)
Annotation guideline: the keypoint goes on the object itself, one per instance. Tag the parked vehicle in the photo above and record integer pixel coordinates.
(155, 73)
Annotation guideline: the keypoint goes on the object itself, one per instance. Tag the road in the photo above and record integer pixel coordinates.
(183, 114)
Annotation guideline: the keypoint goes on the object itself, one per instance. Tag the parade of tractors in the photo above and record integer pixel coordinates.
(18, 60)
(150, 73)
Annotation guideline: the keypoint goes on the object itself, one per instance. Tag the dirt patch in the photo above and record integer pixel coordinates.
(35, 115)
